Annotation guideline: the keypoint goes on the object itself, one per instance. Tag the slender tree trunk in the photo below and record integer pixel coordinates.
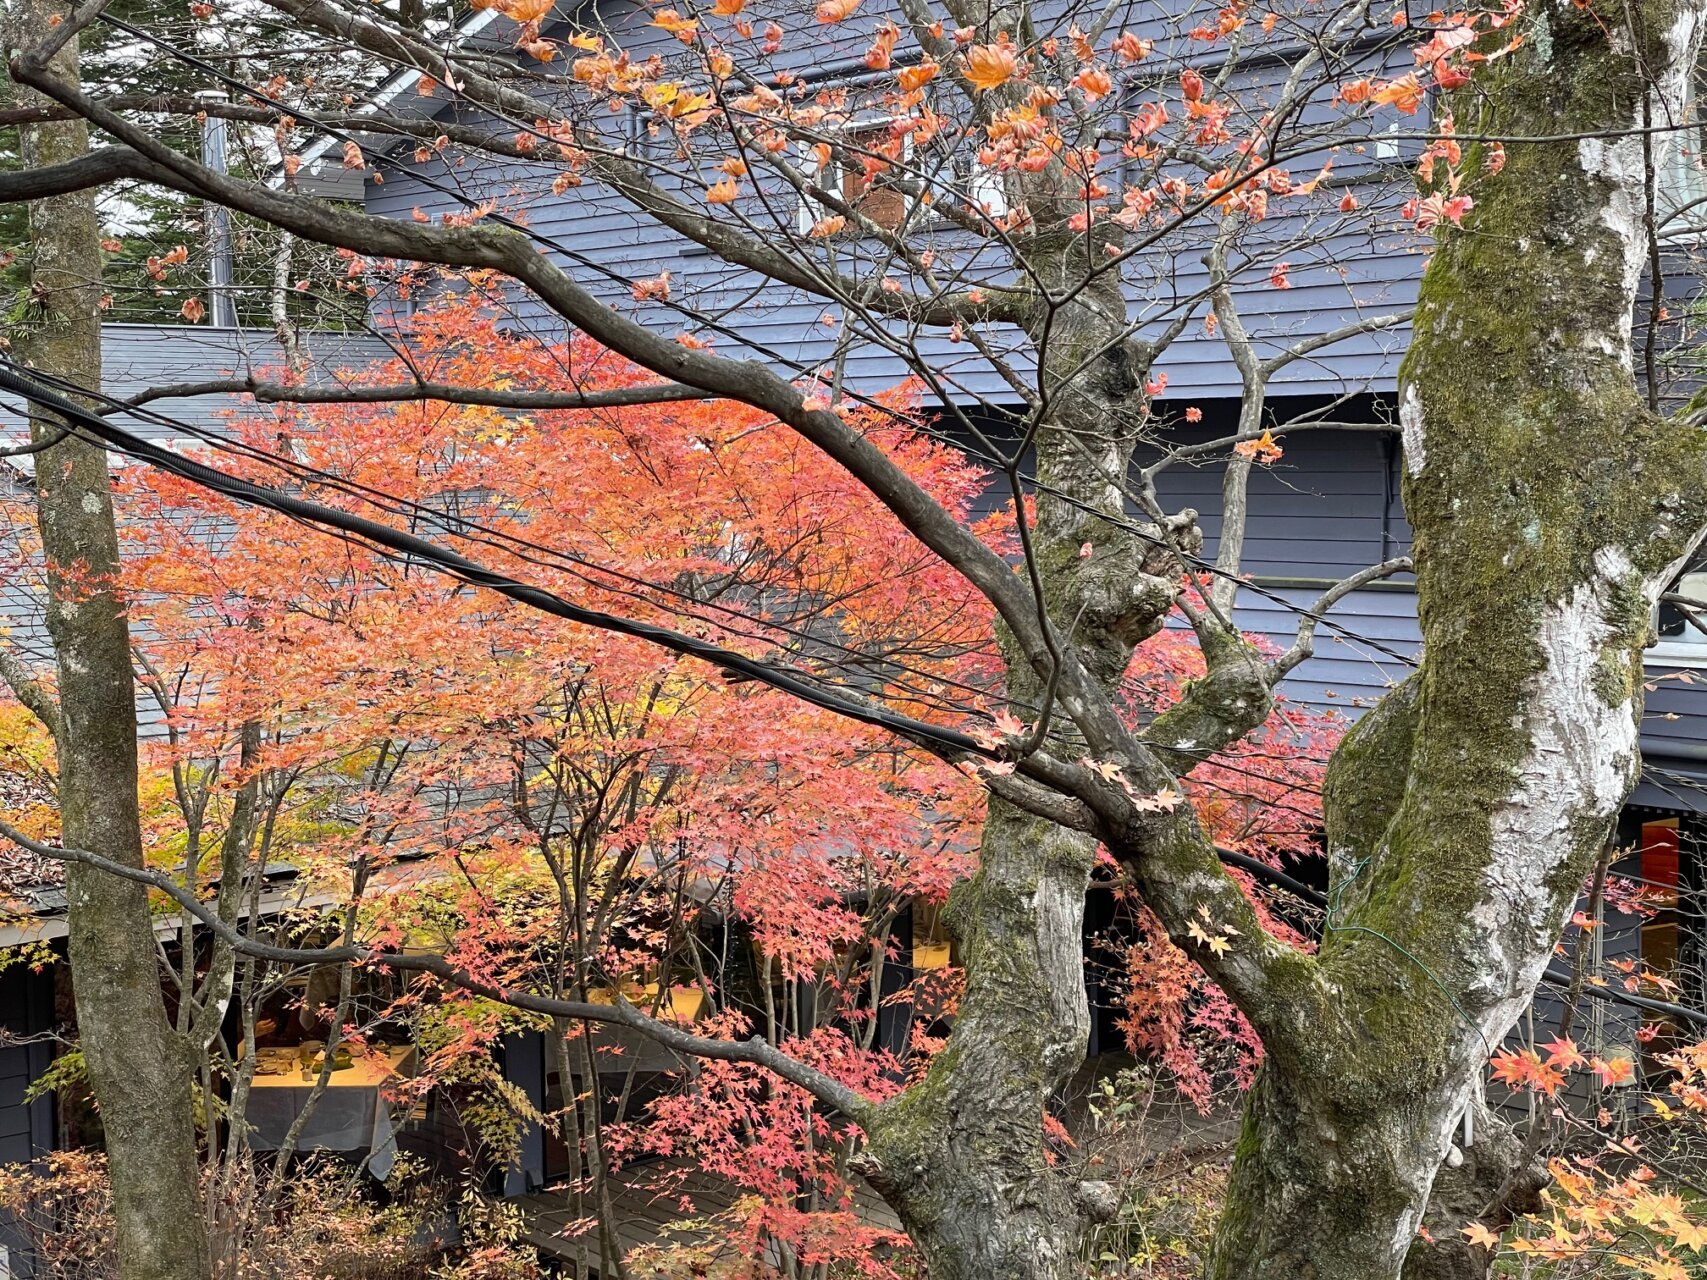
(1550, 505)
(140, 1070)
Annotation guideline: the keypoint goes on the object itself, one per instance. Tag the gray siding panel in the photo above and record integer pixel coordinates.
(783, 326)
(139, 357)
(1342, 268)
(142, 357)
(1354, 665)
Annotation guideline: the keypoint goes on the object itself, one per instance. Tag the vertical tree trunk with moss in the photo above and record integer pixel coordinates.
(1550, 506)
(139, 1068)
(962, 1156)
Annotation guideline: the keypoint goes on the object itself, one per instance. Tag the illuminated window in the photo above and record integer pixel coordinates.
(932, 947)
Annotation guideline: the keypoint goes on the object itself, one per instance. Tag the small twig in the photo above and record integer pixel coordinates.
(1304, 645)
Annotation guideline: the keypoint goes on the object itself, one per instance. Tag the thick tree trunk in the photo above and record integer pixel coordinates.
(139, 1068)
(962, 1156)
(1549, 505)
(1499, 1177)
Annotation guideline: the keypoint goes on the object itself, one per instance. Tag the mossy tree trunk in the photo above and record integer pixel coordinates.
(139, 1068)
(962, 1156)
(1549, 506)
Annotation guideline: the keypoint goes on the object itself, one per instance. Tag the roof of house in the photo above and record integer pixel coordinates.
(323, 172)
(140, 358)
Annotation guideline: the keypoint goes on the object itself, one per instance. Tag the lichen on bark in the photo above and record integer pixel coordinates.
(1549, 505)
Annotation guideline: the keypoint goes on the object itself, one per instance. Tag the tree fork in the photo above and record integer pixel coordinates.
(1549, 507)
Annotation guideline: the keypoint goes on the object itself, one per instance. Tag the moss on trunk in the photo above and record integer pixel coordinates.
(1549, 506)
(139, 1068)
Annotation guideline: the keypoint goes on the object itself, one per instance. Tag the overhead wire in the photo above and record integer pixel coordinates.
(476, 531)
(554, 558)
(460, 567)
(460, 526)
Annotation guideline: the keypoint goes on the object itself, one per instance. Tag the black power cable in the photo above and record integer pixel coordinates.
(476, 574)
(462, 568)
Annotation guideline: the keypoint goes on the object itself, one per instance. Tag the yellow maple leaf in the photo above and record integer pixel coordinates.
(990, 66)
(1476, 1233)
(1203, 938)
(1690, 1235)
(673, 22)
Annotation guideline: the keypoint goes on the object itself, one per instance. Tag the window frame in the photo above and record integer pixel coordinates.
(1683, 177)
(808, 210)
(1689, 647)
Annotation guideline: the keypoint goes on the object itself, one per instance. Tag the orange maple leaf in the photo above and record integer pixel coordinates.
(912, 79)
(1476, 1233)
(673, 22)
(1094, 83)
(990, 66)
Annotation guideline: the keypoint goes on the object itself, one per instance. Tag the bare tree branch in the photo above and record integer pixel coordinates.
(354, 393)
(627, 180)
(756, 1050)
(1304, 645)
(27, 690)
(1308, 346)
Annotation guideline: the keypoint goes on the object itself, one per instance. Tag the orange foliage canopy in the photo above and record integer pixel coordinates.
(701, 516)
(565, 810)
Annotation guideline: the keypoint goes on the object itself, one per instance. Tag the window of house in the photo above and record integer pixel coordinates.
(1680, 187)
(638, 137)
(984, 188)
(932, 946)
(1680, 639)
(855, 166)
